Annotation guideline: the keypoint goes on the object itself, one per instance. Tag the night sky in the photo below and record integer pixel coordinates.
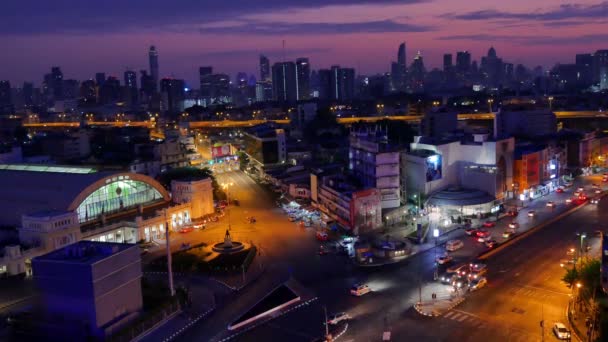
(84, 37)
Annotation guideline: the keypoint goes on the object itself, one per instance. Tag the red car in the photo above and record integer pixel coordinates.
(512, 212)
(559, 190)
(186, 230)
(482, 233)
(322, 236)
(489, 224)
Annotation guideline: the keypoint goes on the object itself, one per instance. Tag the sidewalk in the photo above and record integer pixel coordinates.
(437, 307)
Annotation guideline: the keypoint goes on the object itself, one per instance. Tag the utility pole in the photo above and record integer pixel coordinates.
(542, 322)
(326, 325)
(169, 261)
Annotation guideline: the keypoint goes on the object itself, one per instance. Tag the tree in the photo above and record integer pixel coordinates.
(243, 160)
(570, 277)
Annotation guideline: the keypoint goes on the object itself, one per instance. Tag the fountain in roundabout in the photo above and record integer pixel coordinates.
(228, 246)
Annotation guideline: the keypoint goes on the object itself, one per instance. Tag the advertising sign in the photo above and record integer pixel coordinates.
(433, 168)
(220, 151)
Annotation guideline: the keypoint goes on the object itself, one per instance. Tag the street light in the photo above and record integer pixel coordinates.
(550, 98)
(582, 236)
(490, 101)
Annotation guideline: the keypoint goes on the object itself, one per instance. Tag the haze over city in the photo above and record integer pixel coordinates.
(114, 35)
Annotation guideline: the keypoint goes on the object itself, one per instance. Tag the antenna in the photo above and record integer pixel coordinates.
(284, 59)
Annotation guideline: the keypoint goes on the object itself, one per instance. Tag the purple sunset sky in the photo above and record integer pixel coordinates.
(84, 37)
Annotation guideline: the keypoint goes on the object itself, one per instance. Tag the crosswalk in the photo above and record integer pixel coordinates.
(479, 329)
(538, 294)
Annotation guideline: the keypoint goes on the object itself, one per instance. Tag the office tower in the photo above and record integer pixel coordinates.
(325, 84)
(147, 84)
(395, 78)
(303, 79)
(463, 62)
(334, 82)
(600, 62)
(346, 84)
(284, 82)
(447, 62)
(153, 57)
(417, 72)
(47, 88)
(57, 83)
(28, 94)
(241, 80)
(584, 64)
(264, 68)
(492, 69)
(100, 78)
(110, 91)
(204, 74)
(172, 95)
(130, 86)
(88, 92)
(5, 94)
(71, 89)
(399, 69)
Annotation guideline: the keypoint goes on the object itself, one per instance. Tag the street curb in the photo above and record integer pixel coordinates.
(436, 313)
(530, 231)
(574, 328)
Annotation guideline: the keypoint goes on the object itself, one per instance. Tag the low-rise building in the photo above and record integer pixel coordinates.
(265, 145)
(95, 287)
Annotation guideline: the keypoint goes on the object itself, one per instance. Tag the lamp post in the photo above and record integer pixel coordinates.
(226, 186)
(550, 98)
(490, 102)
(582, 237)
(169, 259)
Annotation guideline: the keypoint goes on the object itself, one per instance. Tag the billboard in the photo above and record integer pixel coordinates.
(433, 168)
(220, 151)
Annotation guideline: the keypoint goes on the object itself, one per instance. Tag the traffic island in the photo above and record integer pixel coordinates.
(439, 306)
(379, 251)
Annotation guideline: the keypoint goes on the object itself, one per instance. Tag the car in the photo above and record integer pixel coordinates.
(445, 278)
(605, 179)
(568, 200)
(550, 204)
(461, 270)
(454, 245)
(576, 194)
(470, 231)
(598, 191)
(322, 251)
(458, 281)
(478, 283)
(482, 233)
(595, 186)
(359, 290)
(489, 224)
(571, 252)
(512, 212)
(560, 331)
(444, 259)
(507, 234)
(491, 243)
(477, 266)
(580, 189)
(595, 201)
(337, 318)
(559, 190)
(322, 236)
(186, 230)
(513, 225)
(531, 213)
(483, 239)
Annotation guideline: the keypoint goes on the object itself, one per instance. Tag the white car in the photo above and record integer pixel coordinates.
(531, 213)
(443, 259)
(513, 225)
(453, 245)
(337, 318)
(560, 331)
(360, 290)
(550, 204)
(595, 201)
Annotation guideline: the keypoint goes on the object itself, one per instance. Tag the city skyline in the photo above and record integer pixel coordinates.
(232, 40)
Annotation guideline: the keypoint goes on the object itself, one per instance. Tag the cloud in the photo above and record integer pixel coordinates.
(282, 28)
(565, 11)
(532, 40)
(110, 16)
(271, 53)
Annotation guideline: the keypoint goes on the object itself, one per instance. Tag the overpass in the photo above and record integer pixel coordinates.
(248, 123)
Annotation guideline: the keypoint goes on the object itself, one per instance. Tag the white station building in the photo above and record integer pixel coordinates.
(54, 206)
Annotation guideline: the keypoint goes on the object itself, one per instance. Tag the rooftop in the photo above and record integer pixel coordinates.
(48, 213)
(47, 168)
(85, 252)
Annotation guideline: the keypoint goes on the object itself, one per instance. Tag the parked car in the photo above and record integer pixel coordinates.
(489, 224)
(507, 234)
(513, 225)
(550, 204)
(531, 213)
(482, 233)
(568, 200)
(559, 190)
(483, 239)
(359, 290)
(560, 331)
(186, 230)
(337, 318)
(454, 245)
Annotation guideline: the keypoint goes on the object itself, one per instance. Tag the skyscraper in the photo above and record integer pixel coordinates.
(88, 92)
(337, 84)
(131, 86)
(325, 84)
(100, 78)
(146, 83)
(264, 68)
(417, 72)
(447, 62)
(204, 74)
(284, 82)
(303, 79)
(5, 94)
(172, 95)
(346, 84)
(400, 73)
(28, 94)
(57, 83)
(463, 62)
(153, 57)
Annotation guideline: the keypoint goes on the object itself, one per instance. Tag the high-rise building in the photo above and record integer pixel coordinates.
(264, 68)
(100, 79)
(172, 95)
(584, 64)
(337, 84)
(463, 62)
(28, 94)
(284, 82)
(447, 62)
(325, 84)
(399, 71)
(303, 79)
(600, 62)
(5, 94)
(146, 83)
(71, 89)
(88, 92)
(153, 58)
(130, 86)
(204, 74)
(347, 84)
(57, 83)
(110, 91)
(492, 69)
(417, 72)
